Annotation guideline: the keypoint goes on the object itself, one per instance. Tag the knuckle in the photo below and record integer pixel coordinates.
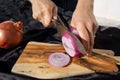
(34, 16)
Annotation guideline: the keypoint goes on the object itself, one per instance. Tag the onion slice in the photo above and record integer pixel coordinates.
(59, 59)
(70, 45)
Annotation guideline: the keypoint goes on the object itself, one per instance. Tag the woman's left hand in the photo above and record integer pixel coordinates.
(85, 23)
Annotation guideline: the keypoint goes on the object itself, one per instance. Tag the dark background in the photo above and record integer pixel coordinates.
(107, 37)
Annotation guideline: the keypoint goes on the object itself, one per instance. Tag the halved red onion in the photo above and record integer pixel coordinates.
(59, 59)
(70, 45)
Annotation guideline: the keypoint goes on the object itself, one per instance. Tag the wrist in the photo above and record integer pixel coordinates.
(85, 5)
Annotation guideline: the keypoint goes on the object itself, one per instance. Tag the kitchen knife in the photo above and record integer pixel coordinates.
(61, 28)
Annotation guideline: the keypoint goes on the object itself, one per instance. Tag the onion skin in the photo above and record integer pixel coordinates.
(11, 34)
(74, 31)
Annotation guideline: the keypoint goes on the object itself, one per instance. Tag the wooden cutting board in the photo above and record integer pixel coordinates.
(34, 62)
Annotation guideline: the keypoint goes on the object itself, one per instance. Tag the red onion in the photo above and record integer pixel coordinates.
(59, 59)
(70, 45)
(11, 34)
(74, 31)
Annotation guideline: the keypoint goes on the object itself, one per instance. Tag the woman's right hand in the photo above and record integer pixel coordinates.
(44, 11)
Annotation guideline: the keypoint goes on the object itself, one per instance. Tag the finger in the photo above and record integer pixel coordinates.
(47, 17)
(84, 36)
(95, 25)
(35, 16)
(55, 13)
(38, 16)
(90, 27)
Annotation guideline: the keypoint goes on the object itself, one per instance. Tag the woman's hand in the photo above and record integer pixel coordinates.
(85, 23)
(44, 11)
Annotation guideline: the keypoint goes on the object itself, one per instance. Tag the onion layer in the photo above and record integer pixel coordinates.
(70, 45)
(59, 59)
(74, 31)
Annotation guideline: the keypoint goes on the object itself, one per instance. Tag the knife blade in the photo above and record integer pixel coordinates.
(61, 28)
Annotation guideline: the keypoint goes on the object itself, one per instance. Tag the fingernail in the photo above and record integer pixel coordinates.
(54, 17)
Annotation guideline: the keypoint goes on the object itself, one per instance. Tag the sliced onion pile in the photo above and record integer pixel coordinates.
(70, 45)
(59, 59)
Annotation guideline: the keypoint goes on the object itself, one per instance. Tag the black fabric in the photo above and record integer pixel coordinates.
(108, 38)
(15, 10)
(66, 4)
(33, 30)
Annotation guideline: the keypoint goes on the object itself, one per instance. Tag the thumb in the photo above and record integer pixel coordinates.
(55, 13)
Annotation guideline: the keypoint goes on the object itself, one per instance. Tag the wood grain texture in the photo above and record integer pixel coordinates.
(34, 62)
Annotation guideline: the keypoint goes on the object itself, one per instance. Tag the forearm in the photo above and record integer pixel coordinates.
(85, 5)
